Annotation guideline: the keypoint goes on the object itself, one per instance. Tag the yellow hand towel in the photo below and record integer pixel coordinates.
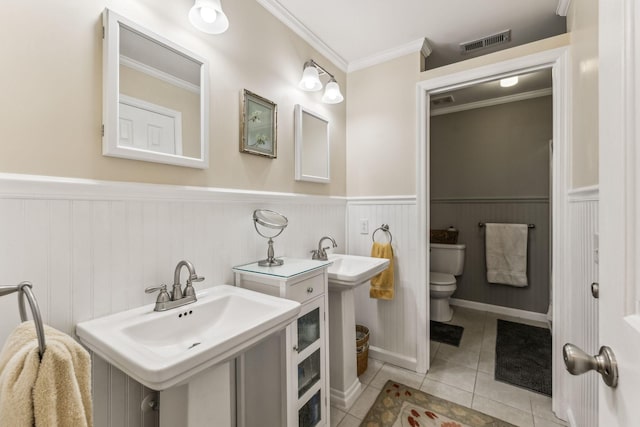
(54, 391)
(382, 284)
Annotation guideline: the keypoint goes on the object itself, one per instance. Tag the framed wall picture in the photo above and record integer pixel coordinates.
(258, 125)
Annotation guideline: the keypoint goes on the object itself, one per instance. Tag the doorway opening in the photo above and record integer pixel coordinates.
(554, 61)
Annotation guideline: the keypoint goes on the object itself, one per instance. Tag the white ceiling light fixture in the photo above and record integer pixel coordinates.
(332, 93)
(208, 17)
(310, 82)
(509, 81)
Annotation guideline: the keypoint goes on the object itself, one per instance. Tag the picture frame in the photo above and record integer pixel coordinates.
(258, 125)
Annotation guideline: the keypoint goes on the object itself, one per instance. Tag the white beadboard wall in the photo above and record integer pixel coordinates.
(582, 330)
(392, 324)
(90, 248)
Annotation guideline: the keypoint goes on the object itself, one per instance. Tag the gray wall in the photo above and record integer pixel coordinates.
(492, 165)
(500, 151)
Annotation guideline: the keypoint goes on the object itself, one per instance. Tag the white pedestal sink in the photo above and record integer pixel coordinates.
(345, 274)
(185, 352)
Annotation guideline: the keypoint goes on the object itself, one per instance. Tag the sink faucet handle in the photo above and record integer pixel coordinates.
(163, 296)
(189, 290)
(152, 289)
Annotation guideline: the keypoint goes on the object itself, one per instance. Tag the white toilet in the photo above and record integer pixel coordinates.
(446, 262)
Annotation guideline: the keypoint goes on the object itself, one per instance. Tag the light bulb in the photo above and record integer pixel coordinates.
(310, 79)
(509, 81)
(208, 14)
(332, 93)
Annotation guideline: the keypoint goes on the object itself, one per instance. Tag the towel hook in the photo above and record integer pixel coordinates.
(385, 228)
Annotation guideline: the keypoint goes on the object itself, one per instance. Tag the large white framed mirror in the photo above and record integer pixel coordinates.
(311, 146)
(155, 96)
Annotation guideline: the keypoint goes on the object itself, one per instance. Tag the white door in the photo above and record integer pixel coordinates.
(619, 117)
(147, 126)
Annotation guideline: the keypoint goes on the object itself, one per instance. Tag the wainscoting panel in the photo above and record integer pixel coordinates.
(582, 391)
(392, 324)
(90, 248)
(465, 214)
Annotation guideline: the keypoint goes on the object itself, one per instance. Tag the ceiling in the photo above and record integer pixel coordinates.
(530, 85)
(353, 33)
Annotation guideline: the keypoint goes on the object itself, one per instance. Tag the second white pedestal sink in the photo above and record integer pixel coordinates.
(345, 274)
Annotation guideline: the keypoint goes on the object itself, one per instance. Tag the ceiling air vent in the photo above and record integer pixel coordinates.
(443, 100)
(492, 40)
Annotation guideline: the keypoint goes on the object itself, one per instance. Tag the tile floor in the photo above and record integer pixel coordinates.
(463, 375)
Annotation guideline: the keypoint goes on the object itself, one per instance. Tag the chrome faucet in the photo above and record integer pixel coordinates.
(177, 297)
(320, 253)
(177, 287)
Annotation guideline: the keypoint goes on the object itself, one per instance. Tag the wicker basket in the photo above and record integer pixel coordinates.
(444, 236)
(362, 356)
(362, 348)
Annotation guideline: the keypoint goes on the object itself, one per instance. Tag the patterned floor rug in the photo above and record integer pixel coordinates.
(446, 333)
(523, 356)
(398, 405)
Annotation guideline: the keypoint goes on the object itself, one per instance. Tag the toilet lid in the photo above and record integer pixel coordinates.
(441, 279)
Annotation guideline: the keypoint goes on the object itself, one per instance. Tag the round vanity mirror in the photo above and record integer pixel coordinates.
(274, 221)
(270, 219)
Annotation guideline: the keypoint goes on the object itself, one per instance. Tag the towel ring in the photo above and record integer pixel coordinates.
(385, 228)
(24, 289)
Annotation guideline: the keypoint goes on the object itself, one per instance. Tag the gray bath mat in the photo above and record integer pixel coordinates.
(523, 356)
(446, 333)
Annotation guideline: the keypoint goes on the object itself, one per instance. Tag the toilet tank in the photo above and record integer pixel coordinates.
(445, 258)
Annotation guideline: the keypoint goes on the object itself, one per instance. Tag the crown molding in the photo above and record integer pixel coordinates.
(158, 74)
(277, 10)
(494, 101)
(563, 7)
(420, 45)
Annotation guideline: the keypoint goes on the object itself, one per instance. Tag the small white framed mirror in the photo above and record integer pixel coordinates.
(155, 97)
(311, 146)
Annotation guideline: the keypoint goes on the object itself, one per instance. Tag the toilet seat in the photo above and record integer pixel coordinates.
(441, 279)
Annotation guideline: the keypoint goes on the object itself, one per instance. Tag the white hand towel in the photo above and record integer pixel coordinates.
(506, 253)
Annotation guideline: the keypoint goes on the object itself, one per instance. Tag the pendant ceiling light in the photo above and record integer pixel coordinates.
(208, 17)
(310, 82)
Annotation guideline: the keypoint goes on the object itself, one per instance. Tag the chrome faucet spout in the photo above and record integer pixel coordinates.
(321, 252)
(177, 298)
(193, 277)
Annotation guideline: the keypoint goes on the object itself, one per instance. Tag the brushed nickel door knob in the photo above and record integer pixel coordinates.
(578, 362)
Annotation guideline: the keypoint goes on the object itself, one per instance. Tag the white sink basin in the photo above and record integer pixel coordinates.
(349, 271)
(162, 349)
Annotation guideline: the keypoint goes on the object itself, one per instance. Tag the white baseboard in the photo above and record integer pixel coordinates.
(393, 358)
(344, 400)
(514, 312)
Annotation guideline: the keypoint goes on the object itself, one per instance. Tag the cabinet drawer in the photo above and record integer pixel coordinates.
(306, 289)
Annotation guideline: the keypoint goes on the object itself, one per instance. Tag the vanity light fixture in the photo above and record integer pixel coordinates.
(208, 17)
(509, 81)
(310, 82)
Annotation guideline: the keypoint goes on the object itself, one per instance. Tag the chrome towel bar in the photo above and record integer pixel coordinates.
(24, 289)
(482, 224)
